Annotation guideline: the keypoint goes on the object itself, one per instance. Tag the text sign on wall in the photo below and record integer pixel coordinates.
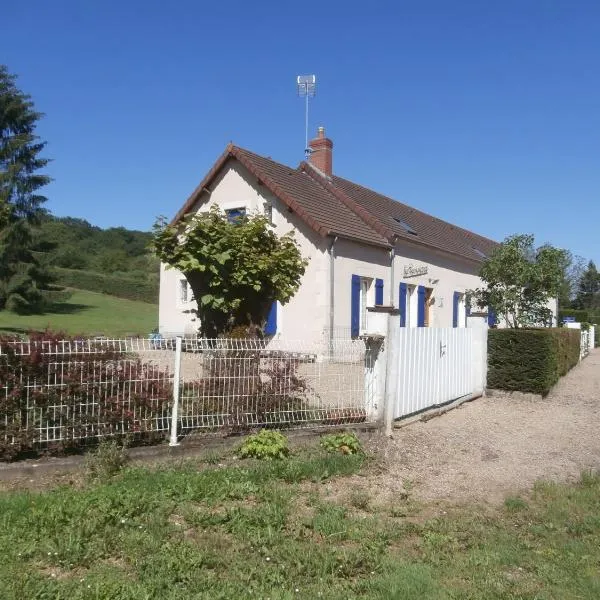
(412, 271)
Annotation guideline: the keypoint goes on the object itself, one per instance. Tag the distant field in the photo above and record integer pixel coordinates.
(88, 313)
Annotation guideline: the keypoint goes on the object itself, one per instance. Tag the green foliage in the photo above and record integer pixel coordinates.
(345, 442)
(23, 273)
(235, 270)
(252, 532)
(106, 460)
(268, 444)
(30, 405)
(75, 244)
(520, 280)
(113, 285)
(531, 360)
(588, 292)
(579, 315)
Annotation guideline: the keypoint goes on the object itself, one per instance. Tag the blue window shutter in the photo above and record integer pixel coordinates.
(491, 316)
(402, 304)
(378, 292)
(455, 301)
(420, 306)
(271, 326)
(355, 307)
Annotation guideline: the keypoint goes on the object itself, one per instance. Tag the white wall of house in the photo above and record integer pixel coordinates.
(305, 316)
(445, 275)
(369, 263)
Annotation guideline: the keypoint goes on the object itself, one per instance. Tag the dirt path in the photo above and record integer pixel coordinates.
(498, 445)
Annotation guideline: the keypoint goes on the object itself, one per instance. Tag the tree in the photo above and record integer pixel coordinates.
(572, 268)
(520, 281)
(235, 270)
(23, 276)
(588, 291)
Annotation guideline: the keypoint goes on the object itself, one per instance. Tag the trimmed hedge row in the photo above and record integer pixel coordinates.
(531, 360)
(121, 287)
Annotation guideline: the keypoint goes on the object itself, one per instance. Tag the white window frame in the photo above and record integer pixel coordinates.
(411, 305)
(366, 300)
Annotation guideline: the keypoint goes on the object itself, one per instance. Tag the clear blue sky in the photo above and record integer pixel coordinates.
(483, 113)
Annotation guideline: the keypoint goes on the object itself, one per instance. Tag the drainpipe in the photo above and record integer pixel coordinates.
(331, 292)
(392, 257)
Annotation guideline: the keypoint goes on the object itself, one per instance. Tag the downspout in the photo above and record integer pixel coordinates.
(392, 257)
(331, 292)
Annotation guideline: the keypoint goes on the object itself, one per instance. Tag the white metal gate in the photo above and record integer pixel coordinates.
(437, 366)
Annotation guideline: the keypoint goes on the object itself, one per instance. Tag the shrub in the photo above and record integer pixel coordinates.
(106, 460)
(579, 315)
(344, 442)
(114, 285)
(266, 386)
(268, 444)
(58, 392)
(531, 360)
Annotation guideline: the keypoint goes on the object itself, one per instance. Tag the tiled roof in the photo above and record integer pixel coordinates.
(429, 230)
(336, 206)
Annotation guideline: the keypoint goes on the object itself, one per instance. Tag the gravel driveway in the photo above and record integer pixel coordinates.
(497, 445)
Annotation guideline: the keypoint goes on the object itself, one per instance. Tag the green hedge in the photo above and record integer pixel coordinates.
(121, 287)
(531, 360)
(581, 316)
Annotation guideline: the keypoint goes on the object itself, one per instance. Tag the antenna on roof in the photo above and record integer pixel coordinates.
(307, 85)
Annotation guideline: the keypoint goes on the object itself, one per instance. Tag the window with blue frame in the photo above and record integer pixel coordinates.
(235, 215)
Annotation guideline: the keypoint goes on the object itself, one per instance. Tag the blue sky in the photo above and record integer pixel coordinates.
(486, 114)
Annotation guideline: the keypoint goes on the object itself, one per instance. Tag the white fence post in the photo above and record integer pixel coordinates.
(176, 385)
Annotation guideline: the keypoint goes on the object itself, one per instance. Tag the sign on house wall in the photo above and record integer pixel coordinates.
(412, 271)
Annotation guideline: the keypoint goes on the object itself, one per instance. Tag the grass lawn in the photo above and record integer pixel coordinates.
(270, 530)
(88, 313)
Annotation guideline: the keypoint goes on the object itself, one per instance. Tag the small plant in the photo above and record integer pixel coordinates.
(265, 445)
(106, 460)
(360, 500)
(345, 442)
(515, 504)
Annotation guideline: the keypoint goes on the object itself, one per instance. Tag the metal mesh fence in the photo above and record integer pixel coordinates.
(65, 392)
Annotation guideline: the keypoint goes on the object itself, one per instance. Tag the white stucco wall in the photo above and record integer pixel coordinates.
(365, 261)
(304, 317)
(445, 275)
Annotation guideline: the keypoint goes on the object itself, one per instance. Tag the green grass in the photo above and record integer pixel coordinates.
(88, 313)
(256, 531)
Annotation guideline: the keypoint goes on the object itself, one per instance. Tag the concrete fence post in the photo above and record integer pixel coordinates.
(176, 388)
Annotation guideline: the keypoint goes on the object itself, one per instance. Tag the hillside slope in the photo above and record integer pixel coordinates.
(88, 313)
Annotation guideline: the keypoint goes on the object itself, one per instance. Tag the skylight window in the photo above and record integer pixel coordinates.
(479, 252)
(405, 226)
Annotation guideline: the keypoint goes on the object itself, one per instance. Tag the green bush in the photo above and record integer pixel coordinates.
(268, 444)
(579, 315)
(106, 460)
(129, 288)
(531, 360)
(344, 442)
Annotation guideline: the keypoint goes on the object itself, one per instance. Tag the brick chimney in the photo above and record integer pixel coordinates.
(322, 152)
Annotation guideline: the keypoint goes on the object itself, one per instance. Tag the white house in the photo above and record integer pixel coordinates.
(365, 250)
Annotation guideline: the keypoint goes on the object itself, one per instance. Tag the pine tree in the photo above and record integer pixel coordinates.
(23, 277)
(588, 293)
